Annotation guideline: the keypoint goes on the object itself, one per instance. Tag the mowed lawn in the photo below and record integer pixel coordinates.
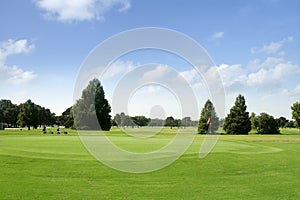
(38, 166)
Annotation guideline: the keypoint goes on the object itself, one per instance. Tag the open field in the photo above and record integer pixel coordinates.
(37, 166)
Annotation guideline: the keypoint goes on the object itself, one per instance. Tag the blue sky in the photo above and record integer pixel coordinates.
(254, 44)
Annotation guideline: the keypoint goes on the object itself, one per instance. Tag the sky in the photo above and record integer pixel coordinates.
(254, 45)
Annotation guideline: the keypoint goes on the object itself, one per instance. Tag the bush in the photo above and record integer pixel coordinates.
(266, 124)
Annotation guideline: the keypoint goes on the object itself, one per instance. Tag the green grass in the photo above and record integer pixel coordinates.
(37, 166)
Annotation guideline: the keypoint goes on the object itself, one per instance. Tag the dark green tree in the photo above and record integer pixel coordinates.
(8, 113)
(46, 117)
(170, 121)
(11, 115)
(290, 124)
(140, 120)
(266, 124)
(238, 120)
(209, 121)
(66, 118)
(177, 122)
(28, 115)
(296, 113)
(281, 121)
(92, 103)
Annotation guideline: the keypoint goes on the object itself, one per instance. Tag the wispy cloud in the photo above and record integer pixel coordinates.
(14, 74)
(80, 10)
(156, 74)
(295, 92)
(273, 47)
(119, 68)
(11, 47)
(268, 75)
(218, 35)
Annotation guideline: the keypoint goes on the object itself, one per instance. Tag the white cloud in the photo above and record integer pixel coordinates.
(191, 76)
(268, 75)
(11, 47)
(156, 74)
(218, 35)
(117, 68)
(14, 74)
(80, 10)
(272, 74)
(295, 92)
(234, 76)
(273, 47)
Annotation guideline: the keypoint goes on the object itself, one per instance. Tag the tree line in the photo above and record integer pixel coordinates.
(239, 122)
(93, 103)
(123, 120)
(29, 115)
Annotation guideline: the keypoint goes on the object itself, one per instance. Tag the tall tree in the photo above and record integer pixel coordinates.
(28, 115)
(92, 102)
(266, 124)
(209, 121)
(238, 120)
(296, 113)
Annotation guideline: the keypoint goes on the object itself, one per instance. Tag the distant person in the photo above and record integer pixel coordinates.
(44, 129)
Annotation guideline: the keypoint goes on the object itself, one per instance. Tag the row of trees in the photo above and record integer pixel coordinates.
(29, 115)
(123, 120)
(238, 120)
(93, 103)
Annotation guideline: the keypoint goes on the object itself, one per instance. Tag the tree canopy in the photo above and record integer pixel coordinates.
(238, 120)
(29, 115)
(266, 124)
(66, 119)
(171, 122)
(92, 103)
(8, 112)
(140, 120)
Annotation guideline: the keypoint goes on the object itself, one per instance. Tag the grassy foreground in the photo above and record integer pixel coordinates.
(37, 166)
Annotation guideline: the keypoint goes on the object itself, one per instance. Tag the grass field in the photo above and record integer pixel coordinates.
(38, 166)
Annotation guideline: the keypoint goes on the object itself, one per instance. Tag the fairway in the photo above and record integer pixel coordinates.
(37, 166)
